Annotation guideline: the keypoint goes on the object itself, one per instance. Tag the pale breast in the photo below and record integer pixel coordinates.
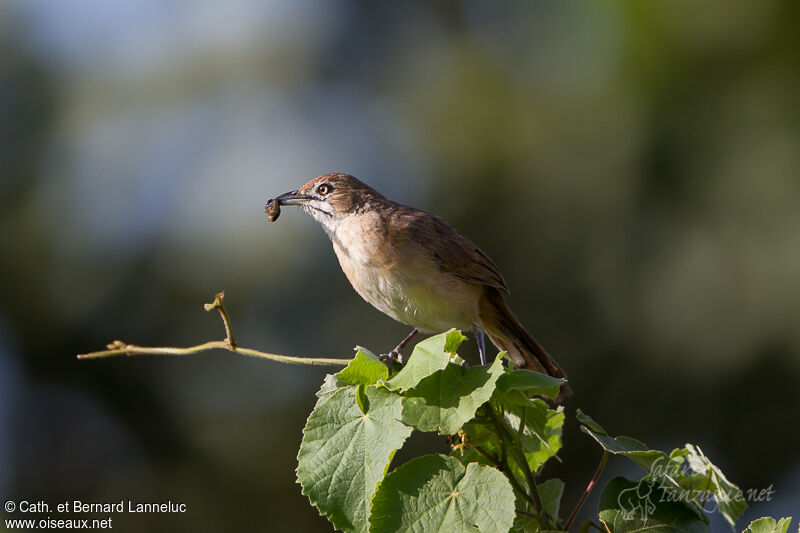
(404, 283)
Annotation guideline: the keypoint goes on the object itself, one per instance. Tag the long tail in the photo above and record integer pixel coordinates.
(507, 334)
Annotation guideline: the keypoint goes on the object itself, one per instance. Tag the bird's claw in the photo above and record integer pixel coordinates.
(389, 358)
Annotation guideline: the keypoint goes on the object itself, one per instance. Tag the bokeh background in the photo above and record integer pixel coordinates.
(632, 167)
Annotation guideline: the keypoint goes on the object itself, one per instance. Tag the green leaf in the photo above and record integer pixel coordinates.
(769, 525)
(453, 340)
(361, 398)
(540, 428)
(629, 507)
(629, 447)
(447, 399)
(550, 492)
(706, 488)
(429, 356)
(364, 369)
(526, 524)
(478, 433)
(330, 385)
(437, 493)
(516, 387)
(728, 497)
(345, 452)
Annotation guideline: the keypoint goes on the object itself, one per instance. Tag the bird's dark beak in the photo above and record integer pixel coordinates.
(292, 198)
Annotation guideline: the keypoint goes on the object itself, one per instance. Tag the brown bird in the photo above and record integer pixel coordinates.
(416, 268)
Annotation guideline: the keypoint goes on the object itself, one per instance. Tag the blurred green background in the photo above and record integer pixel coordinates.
(632, 167)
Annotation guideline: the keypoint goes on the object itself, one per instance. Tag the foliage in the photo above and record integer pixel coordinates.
(769, 525)
(503, 427)
(685, 476)
(438, 493)
(348, 442)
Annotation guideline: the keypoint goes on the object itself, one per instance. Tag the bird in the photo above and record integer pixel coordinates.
(416, 268)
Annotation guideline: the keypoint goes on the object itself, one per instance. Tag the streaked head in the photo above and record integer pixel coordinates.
(330, 197)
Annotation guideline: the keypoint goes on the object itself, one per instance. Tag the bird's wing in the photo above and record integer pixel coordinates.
(451, 250)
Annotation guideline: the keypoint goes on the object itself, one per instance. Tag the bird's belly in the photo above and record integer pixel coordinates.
(424, 301)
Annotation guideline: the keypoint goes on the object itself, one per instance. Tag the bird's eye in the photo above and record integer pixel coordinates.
(324, 189)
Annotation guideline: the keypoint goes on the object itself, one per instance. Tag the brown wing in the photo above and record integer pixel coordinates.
(454, 252)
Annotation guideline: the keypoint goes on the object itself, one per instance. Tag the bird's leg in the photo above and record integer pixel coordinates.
(479, 337)
(397, 353)
(398, 350)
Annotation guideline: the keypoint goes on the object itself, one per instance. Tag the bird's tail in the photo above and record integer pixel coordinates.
(507, 334)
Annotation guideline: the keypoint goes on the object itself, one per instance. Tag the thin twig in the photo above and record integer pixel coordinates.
(120, 348)
(589, 488)
(489, 457)
(219, 306)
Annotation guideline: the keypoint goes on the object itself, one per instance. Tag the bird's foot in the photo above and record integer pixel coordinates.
(391, 357)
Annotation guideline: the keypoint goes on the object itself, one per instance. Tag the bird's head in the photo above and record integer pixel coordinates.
(331, 197)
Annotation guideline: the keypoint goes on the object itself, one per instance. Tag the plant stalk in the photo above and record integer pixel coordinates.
(589, 488)
(120, 348)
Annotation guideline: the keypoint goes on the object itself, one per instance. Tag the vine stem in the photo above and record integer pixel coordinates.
(121, 348)
(589, 488)
(219, 306)
(503, 428)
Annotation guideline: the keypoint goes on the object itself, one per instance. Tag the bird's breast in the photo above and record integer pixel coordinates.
(402, 280)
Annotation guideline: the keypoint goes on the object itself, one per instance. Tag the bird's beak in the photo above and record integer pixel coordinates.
(292, 198)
